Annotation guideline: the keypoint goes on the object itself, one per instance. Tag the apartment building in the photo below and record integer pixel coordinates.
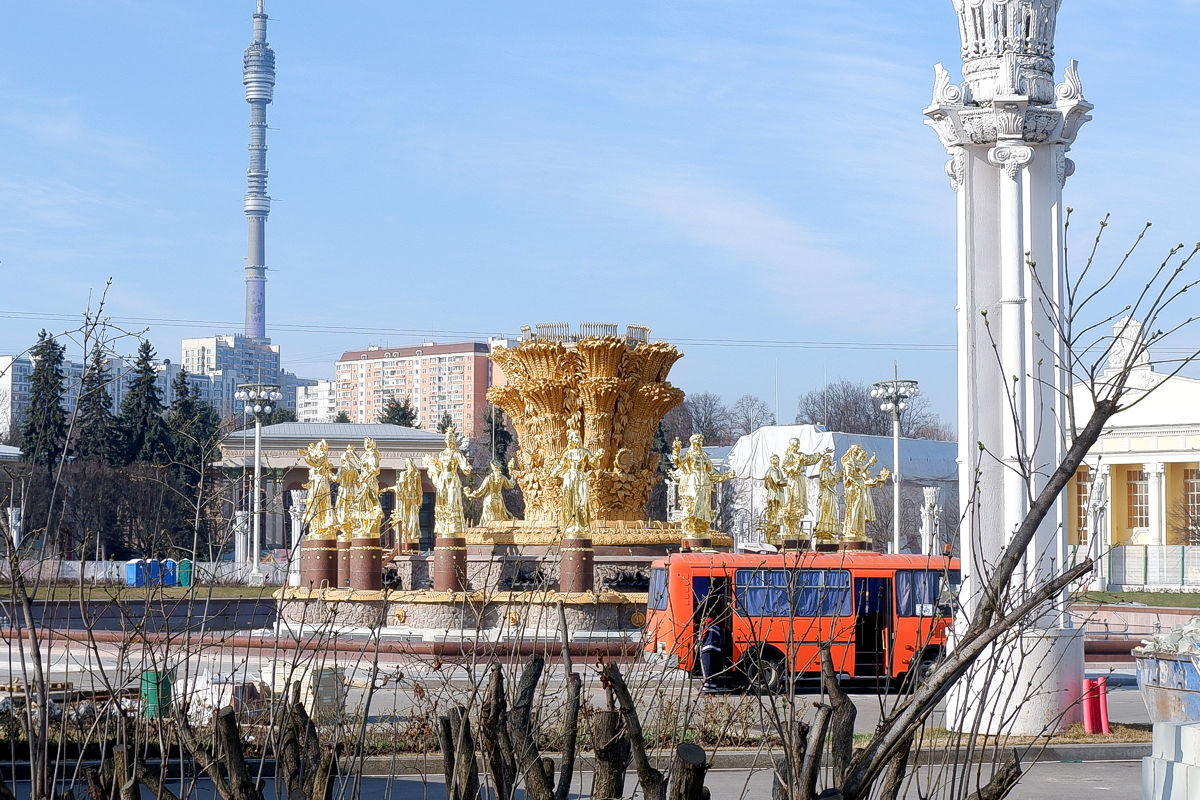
(316, 403)
(437, 378)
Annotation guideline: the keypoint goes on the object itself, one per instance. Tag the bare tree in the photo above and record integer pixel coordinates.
(710, 418)
(748, 414)
(847, 407)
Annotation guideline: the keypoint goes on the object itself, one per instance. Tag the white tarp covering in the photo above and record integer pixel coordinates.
(924, 462)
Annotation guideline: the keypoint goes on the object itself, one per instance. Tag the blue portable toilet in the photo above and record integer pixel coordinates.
(185, 572)
(153, 576)
(168, 572)
(135, 572)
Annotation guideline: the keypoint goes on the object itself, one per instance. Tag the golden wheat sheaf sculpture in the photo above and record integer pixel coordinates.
(613, 392)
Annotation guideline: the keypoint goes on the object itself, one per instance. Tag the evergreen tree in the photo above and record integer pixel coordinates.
(44, 429)
(399, 412)
(194, 426)
(144, 435)
(281, 415)
(445, 423)
(341, 416)
(95, 425)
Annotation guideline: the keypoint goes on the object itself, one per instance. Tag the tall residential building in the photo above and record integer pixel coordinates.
(230, 359)
(438, 378)
(316, 403)
(15, 372)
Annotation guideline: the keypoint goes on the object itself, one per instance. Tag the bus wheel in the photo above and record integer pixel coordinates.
(764, 672)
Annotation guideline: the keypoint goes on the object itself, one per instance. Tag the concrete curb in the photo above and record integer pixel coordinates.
(429, 765)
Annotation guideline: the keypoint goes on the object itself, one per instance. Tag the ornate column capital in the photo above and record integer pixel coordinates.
(1012, 157)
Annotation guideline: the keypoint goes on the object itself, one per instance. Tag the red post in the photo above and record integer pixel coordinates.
(1102, 704)
(1089, 707)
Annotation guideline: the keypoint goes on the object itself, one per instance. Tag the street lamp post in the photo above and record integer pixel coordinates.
(893, 395)
(260, 400)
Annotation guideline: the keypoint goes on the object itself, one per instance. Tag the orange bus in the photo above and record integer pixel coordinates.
(882, 615)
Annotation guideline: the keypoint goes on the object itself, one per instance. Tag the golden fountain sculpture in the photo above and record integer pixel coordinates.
(613, 391)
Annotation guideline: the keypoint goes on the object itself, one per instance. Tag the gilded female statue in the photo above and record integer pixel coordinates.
(573, 466)
(492, 492)
(860, 508)
(775, 483)
(444, 469)
(795, 468)
(827, 505)
(370, 512)
(406, 516)
(319, 515)
(347, 495)
(699, 476)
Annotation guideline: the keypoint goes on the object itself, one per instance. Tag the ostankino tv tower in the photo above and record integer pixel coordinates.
(258, 76)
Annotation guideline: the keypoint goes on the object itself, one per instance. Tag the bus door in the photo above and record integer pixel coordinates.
(872, 626)
(710, 598)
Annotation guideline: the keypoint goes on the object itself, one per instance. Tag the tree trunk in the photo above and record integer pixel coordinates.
(807, 781)
(841, 721)
(687, 780)
(229, 739)
(570, 736)
(651, 780)
(493, 735)
(893, 774)
(1003, 781)
(123, 773)
(466, 766)
(612, 755)
(445, 734)
(529, 758)
(785, 785)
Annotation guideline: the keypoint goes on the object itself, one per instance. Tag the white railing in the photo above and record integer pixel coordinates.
(1133, 567)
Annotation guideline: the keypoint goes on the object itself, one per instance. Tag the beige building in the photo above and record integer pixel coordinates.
(1148, 460)
(437, 378)
(284, 471)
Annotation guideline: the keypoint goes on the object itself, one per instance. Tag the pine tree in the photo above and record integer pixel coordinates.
(445, 423)
(95, 425)
(399, 412)
(341, 416)
(44, 429)
(194, 428)
(144, 436)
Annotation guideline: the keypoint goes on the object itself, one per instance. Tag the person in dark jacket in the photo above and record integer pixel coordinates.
(712, 644)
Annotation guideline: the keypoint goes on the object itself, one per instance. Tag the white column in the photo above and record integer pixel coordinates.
(929, 512)
(1157, 518)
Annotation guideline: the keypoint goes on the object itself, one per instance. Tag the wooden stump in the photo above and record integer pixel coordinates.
(687, 779)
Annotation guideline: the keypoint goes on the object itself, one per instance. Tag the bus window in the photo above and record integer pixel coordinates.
(926, 593)
(658, 589)
(793, 592)
(762, 592)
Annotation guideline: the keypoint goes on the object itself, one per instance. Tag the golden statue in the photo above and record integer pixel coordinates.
(696, 477)
(347, 495)
(319, 514)
(795, 502)
(492, 492)
(573, 465)
(369, 511)
(613, 388)
(775, 482)
(827, 504)
(860, 508)
(444, 469)
(406, 516)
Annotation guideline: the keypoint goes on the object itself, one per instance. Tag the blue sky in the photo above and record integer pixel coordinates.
(725, 172)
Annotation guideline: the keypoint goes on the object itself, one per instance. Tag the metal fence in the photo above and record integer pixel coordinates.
(1132, 567)
(203, 572)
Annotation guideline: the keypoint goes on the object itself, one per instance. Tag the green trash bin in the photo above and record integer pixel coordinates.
(156, 693)
(183, 572)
